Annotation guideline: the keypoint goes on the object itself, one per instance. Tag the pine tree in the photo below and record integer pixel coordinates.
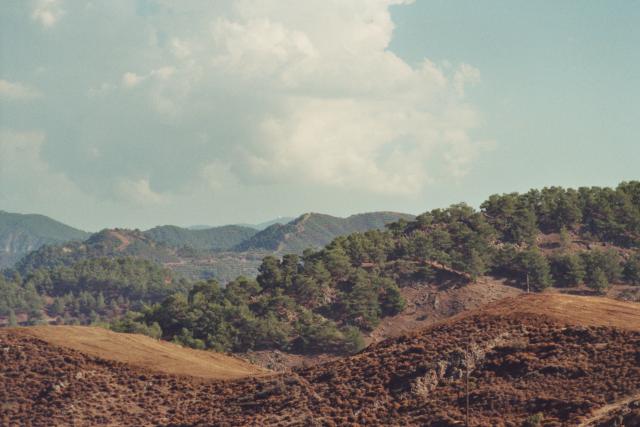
(599, 281)
(12, 318)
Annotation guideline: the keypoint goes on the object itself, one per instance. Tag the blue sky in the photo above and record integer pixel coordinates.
(126, 113)
(560, 90)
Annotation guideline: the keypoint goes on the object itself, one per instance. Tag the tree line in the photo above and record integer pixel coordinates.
(325, 299)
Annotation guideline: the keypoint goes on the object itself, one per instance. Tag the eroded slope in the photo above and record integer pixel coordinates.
(570, 362)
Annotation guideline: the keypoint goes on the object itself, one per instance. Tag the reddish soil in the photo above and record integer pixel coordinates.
(574, 359)
(430, 303)
(124, 240)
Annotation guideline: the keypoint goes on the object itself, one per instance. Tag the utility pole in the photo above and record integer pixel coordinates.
(528, 289)
(466, 363)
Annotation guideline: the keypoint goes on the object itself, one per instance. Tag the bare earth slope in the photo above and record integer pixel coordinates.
(143, 352)
(578, 310)
(576, 360)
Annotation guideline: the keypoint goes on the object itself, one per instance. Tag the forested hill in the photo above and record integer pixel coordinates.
(22, 233)
(314, 230)
(111, 243)
(215, 238)
(323, 300)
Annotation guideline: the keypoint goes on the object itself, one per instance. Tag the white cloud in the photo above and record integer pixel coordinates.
(285, 94)
(130, 79)
(465, 75)
(47, 12)
(17, 91)
(25, 176)
(139, 192)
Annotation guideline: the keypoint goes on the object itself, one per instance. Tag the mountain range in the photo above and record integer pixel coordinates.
(221, 252)
(22, 233)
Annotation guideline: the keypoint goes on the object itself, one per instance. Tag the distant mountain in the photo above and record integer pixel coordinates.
(313, 230)
(216, 238)
(23, 233)
(280, 220)
(261, 226)
(199, 227)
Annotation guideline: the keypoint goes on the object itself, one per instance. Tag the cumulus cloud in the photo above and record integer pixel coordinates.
(139, 192)
(130, 79)
(26, 177)
(225, 97)
(17, 91)
(47, 12)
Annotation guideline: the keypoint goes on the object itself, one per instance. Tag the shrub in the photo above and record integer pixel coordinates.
(534, 420)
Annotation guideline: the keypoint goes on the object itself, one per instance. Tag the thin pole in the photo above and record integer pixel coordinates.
(467, 385)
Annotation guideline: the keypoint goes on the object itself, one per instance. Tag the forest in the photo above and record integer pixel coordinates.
(323, 300)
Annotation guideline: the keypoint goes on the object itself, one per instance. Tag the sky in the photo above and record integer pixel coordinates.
(141, 113)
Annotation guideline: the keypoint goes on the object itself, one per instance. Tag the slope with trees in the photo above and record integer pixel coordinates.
(214, 238)
(22, 233)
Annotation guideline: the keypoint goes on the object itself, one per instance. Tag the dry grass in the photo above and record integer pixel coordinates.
(573, 309)
(144, 352)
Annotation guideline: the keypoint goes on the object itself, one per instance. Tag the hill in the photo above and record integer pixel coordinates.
(22, 233)
(115, 242)
(313, 230)
(215, 238)
(141, 351)
(520, 357)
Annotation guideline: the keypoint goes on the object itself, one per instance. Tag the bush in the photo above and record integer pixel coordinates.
(185, 338)
(132, 323)
(534, 420)
(353, 341)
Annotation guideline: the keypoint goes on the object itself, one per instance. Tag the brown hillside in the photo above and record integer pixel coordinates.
(577, 310)
(523, 358)
(143, 352)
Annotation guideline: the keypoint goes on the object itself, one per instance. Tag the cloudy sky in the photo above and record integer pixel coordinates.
(139, 113)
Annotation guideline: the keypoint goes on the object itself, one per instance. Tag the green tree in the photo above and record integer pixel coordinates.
(391, 300)
(565, 238)
(535, 269)
(100, 303)
(567, 269)
(632, 269)
(598, 280)
(607, 261)
(12, 318)
(58, 308)
(361, 302)
(269, 274)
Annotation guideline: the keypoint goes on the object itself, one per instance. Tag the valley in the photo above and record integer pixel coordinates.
(533, 298)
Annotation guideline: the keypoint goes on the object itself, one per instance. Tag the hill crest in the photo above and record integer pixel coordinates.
(22, 233)
(314, 230)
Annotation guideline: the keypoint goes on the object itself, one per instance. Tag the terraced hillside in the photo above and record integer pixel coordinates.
(574, 360)
(214, 238)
